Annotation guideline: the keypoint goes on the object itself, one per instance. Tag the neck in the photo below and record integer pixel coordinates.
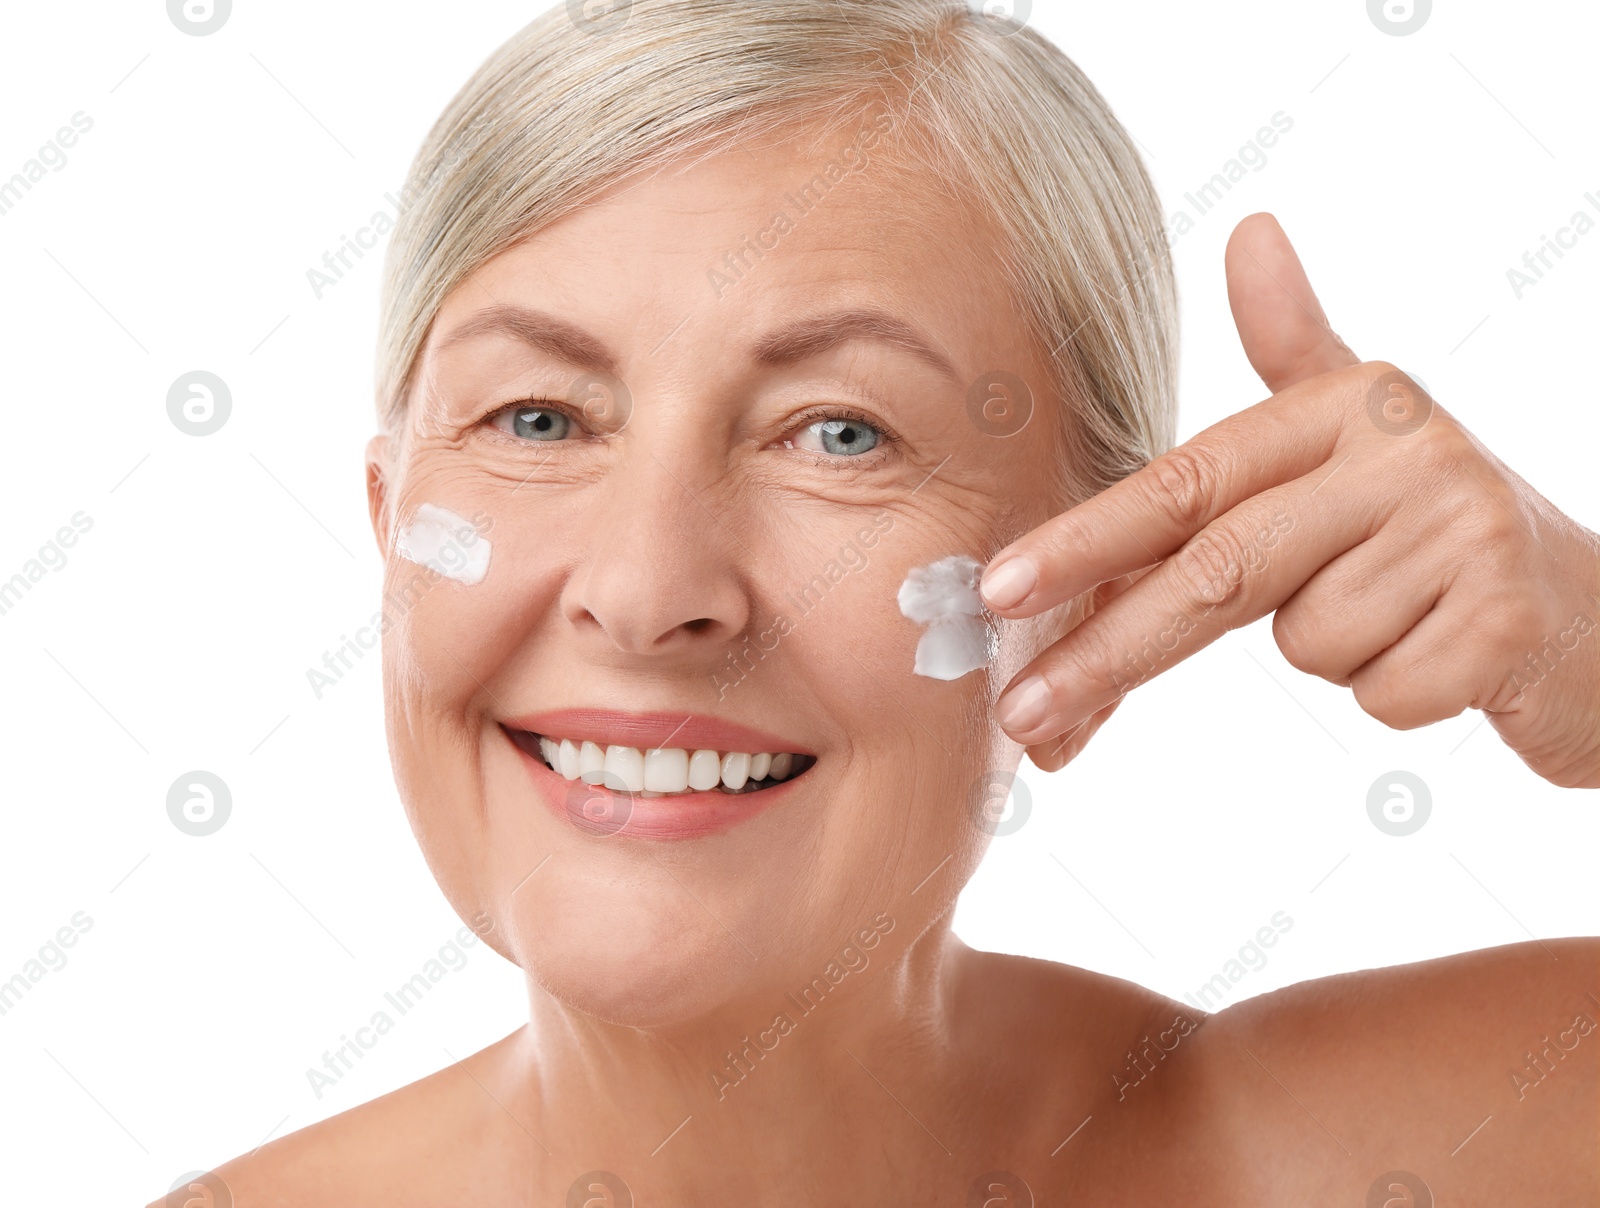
(806, 1078)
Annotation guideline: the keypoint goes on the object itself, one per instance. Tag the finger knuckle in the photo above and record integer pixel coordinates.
(1391, 694)
(1298, 635)
(1441, 448)
(1362, 381)
(1379, 698)
(1214, 566)
(1369, 373)
(1395, 402)
(1493, 524)
(1184, 484)
(1512, 619)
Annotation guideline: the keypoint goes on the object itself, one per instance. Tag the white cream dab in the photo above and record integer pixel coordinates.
(442, 541)
(944, 596)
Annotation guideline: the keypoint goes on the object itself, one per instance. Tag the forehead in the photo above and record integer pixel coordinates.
(734, 244)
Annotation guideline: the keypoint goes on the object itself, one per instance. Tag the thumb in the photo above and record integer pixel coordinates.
(1281, 324)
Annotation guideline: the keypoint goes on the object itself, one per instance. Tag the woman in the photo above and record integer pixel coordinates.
(709, 330)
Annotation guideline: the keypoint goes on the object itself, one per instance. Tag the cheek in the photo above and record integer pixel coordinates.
(446, 609)
(467, 578)
(837, 628)
(449, 637)
(906, 739)
(452, 642)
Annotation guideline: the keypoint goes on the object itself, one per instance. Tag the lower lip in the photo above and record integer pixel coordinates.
(600, 812)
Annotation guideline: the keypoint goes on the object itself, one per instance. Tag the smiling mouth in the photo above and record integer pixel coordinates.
(663, 771)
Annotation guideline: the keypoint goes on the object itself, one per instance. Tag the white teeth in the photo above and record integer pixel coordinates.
(627, 765)
(705, 770)
(591, 763)
(567, 759)
(735, 769)
(666, 770)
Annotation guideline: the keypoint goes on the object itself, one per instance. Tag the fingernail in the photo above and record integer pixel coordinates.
(1008, 584)
(1025, 706)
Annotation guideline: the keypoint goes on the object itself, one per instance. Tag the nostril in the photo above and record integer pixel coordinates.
(699, 624)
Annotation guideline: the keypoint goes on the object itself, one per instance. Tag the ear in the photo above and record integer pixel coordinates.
(1054, 755)
(377, 456)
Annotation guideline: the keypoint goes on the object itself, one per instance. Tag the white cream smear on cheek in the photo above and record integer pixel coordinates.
(944, 596)
(442, 541)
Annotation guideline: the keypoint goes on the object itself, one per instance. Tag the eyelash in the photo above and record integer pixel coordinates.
(528, 404)
(827, 411)
(812, 415)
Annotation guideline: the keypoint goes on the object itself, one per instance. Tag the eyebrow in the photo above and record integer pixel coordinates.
(808, 337)
(793, 342)
(538, 329)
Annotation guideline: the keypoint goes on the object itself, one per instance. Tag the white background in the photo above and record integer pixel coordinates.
(177, 637)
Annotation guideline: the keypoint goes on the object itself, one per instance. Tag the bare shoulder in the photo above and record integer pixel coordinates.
(1025, 1000)
(1478, 1074)
(1060, 1044)
(403, 1148)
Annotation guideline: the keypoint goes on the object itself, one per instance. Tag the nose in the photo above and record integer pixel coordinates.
(663, 576)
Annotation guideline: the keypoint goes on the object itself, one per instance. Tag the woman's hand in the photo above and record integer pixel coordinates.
(1402, 559)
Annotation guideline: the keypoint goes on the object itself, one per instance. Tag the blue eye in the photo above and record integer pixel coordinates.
(534, 423)
(841, 437)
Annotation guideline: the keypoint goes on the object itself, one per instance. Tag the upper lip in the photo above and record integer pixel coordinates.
(690, 731)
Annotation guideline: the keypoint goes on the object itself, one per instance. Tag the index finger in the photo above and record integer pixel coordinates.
(1150, 514)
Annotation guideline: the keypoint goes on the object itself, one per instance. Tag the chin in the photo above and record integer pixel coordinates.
(616, 972)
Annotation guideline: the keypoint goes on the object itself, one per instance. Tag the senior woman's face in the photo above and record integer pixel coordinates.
(704, 449)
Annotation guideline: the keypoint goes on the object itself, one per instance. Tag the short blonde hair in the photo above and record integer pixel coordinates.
(569, 106)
